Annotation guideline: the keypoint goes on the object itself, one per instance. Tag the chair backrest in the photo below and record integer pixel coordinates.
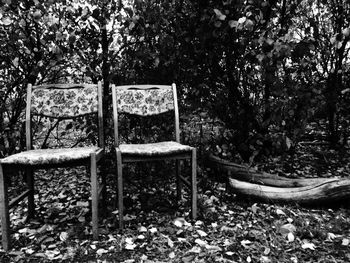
(63, 102)
(144, 100)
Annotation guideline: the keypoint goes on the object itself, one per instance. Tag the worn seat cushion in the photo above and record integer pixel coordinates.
(154, 149)
(49, 156)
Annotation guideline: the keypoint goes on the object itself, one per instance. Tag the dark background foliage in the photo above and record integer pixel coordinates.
(251, 75)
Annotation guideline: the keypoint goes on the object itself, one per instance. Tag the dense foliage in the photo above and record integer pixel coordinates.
(254, 77)
(262, 69)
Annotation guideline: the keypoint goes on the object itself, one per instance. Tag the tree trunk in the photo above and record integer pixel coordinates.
(247, 174)
(243, 180)
(326, 192)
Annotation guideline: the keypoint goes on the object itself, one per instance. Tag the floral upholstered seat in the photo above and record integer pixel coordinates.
(49, 156)
(154, 149)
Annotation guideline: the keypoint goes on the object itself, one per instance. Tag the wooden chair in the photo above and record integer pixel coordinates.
(148, 100)
(54, 102)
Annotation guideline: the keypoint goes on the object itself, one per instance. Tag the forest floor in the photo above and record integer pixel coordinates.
(228, 228)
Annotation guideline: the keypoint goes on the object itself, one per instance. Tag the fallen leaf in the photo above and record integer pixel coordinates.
(170, 243)
(7, 21)
(265, 259)
(63, 236)
(47, 240)
(195, 249)
(52, 254)
(345, 242)
(23, 230)
(111, 238)
(201, 233)
(330, 237)
(141, 237)
(200, 242)
(233, 23)
(213, 248)
(172, 255)
(83, 204)
(130, 246)
(245, 243)
(101, 251)
(153, 230)
(143, 257)
(254, 208)
(287, 228)
(29, 251)
(219, 15)
(181, 239)
(307, 245)
(199, 222)
(178, 222)
(142, 229)
(294, 259)
(280, 212)
(267, 251)
(290, 237)
(187, 259)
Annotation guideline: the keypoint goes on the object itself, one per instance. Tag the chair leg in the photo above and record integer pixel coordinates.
(194, 183)
(94, 195)
(4, 212)
(178, 180)
(104, 192)
(30, 184)
(120, 189)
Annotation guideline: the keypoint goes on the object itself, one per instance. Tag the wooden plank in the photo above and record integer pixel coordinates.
(94, 195)
(143, 86)
(30, 184)
(101, 140)
(176, 110)
(4, 212)
(120, 188)
(99, 154)
(64, 86)
(19, 198)
(178, 180)
(28, 119)
(115, 115)
(194, 183)
(181, 156)
(184, 180)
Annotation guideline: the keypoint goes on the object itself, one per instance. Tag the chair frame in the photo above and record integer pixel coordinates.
(91, 162)
(136, 158)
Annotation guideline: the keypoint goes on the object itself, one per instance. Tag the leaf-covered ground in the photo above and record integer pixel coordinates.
(228, 229)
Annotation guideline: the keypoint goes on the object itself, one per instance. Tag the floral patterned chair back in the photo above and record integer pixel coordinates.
(145, 100)
(63, 115)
